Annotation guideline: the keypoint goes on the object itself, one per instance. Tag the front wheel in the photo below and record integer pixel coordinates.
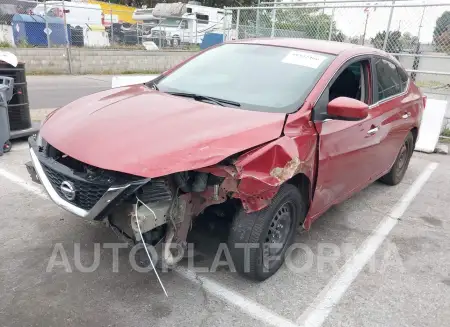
(398, 170)
(258, 241)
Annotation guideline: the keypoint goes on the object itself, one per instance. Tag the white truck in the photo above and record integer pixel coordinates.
(179, 23)
(145, 22)
(77, 13)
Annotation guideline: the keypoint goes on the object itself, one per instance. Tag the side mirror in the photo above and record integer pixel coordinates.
(347, 108)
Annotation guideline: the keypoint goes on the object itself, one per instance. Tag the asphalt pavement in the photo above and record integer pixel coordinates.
(48, 92)
(380, 258)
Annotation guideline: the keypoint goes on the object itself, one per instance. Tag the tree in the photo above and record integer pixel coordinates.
(338, 36)
(440, 33)
(354, 40)
(394, 43)
(408, 41)
(442, 25)
(318, 26)
(443, 42)
(290, 22)
(310, 22)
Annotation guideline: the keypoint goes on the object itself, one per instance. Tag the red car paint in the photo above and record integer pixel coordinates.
(143, 132)
(157, 138)
(354, 108)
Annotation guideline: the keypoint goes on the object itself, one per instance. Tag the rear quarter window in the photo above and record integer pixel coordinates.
(388, 78)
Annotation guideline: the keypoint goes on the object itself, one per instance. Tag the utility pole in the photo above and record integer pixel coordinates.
(111, 22)
(66, 33)
(365, 26)
(386, 37)
(417, 50)
(257, 19)
(330, 32)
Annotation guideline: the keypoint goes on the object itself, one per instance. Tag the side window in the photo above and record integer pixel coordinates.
(184, 24)
(352, 82)
(202, 19)
(389, 83)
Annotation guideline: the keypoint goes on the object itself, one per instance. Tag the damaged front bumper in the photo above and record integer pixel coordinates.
(40, 167)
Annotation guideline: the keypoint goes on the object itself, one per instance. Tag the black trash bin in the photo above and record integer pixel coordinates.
(6, 90)
(77, 36)
(18, 107)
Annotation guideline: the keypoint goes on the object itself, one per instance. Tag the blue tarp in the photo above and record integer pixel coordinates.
(31, 29)
(211, 39)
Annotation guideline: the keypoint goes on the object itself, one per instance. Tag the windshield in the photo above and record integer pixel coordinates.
(259, 77)
(150, 21)
(171, 22)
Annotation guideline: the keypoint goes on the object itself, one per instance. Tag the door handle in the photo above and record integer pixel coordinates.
(406, 115)
(372, 131)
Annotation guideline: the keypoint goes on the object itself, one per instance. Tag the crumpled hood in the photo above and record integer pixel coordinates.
(148, 133)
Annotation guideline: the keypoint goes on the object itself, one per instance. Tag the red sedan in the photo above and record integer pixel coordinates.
(270, 132)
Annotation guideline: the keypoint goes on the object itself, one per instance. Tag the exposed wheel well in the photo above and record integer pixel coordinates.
(414, 132)
(302, 182)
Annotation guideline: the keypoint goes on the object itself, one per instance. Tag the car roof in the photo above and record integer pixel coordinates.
(330, 47)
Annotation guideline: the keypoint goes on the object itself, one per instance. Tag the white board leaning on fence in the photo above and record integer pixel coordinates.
(431, 125)
(126, 80)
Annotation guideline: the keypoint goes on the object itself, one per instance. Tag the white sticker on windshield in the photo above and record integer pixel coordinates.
(302, 58)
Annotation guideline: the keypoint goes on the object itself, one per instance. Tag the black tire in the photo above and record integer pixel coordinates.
(398, 170)
(256, 228)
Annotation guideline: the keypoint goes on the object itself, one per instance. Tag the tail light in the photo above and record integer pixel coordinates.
(424, 99)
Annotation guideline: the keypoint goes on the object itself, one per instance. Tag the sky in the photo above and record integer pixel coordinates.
(351, 21)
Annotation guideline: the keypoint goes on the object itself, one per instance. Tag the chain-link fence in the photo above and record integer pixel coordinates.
(417, 34)
(96, 24)
(52, 24)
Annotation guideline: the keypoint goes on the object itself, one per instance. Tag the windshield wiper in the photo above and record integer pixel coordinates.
(198, 97)
(153, 86)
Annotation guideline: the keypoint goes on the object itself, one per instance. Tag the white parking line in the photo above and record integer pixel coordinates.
(322, 306)
(251, 308)
(23, 183)
(247, 306)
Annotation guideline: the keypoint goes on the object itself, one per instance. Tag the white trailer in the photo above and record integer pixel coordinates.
(77, 13)
(145, 22)
(180, 23)
(87, 16)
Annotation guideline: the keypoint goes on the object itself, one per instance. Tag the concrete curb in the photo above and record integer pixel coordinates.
(40, 114)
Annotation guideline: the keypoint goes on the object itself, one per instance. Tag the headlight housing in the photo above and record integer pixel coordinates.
(37, 136)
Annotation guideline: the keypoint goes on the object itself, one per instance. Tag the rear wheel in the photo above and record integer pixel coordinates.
(398, 170)
(258, 241)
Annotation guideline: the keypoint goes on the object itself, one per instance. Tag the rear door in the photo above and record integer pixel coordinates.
(348, 150)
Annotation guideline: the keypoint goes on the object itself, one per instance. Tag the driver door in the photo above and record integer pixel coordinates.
(347, 149)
